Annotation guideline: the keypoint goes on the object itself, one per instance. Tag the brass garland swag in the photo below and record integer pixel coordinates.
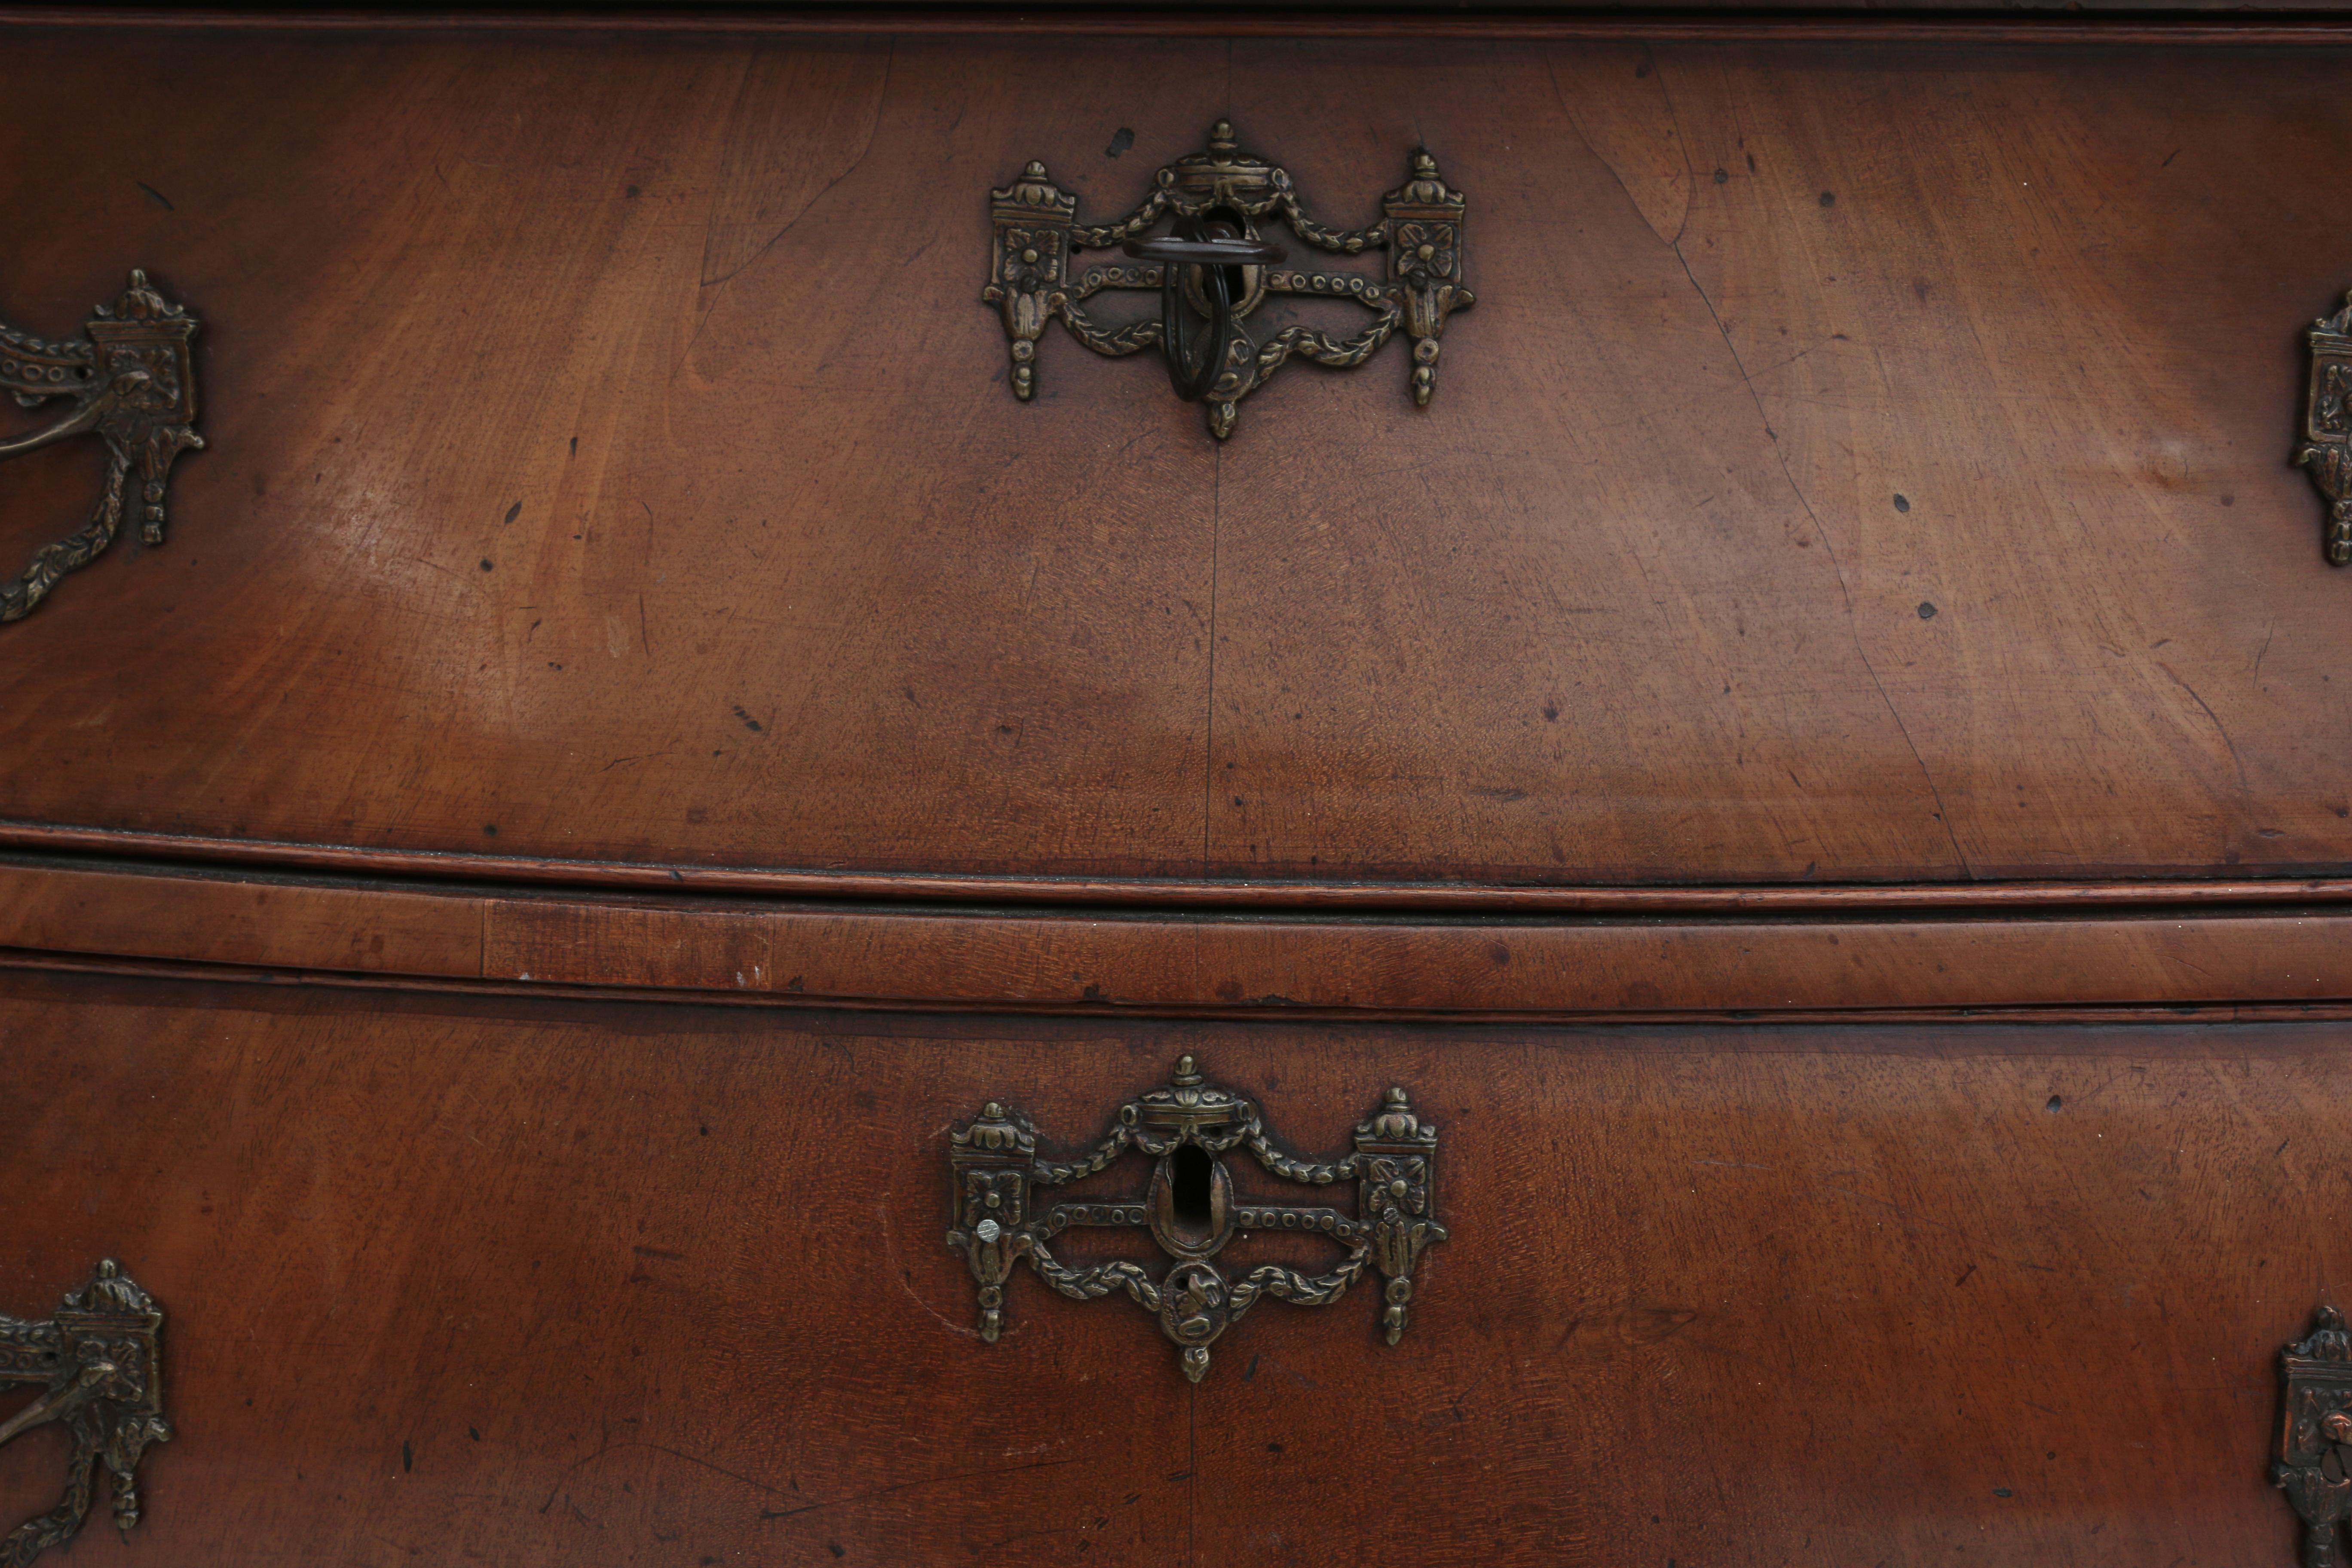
(130, 379)
(1192, 1209)
(98, 1365)
(1216, 269)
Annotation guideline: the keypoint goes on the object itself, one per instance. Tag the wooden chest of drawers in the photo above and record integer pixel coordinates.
(1725, 941)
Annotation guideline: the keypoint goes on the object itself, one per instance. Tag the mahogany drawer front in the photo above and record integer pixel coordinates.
(1864, 461)
(549, 1283)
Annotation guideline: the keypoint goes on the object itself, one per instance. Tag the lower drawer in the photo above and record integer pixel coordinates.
(468, 1280)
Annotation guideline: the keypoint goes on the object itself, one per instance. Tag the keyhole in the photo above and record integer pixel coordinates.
(1188, 1188)
(1191, 1201)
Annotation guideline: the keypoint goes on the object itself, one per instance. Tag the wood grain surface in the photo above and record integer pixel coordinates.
(547, 1284)
(1864, 463)
(2014, 21)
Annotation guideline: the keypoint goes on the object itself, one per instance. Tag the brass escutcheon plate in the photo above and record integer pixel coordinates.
(1034, 276)
(1192, 1208)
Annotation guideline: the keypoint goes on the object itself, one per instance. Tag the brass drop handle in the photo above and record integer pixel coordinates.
(1211, 253)
(86, 418)
(98, 1365)
(85, 1386)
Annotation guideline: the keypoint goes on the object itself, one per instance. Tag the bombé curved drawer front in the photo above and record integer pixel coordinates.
(567, 1285)
(1863, 460)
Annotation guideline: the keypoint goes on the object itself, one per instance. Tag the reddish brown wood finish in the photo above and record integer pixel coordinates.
(2016, 21)
(1631, 601)
(547, 1284)
(619, 572)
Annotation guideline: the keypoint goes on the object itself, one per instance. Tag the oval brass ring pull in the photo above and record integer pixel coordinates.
(1206, 252)
(1214, 253)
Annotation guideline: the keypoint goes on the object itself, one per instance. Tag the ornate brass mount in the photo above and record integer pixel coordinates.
(98, 1370)
(2315, 1462)
(129, 378)
(1217, 268)
(2326, 448)
(1192, 1209)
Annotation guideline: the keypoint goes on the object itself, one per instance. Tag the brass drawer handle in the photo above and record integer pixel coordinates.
(1205, 251)
(130, 378)
(1206, 260)
(1192, 1209)
(1034, 275)
(99, 1368)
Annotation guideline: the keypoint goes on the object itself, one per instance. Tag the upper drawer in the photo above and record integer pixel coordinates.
(1864, 461)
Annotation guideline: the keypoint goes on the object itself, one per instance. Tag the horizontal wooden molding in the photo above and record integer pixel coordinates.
(281, 978)
(1208, 893)
(1795, 25)
(1295, 963)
